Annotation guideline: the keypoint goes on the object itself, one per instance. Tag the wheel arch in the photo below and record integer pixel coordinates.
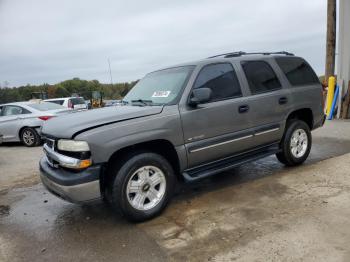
(304, 114)
(159, 146)
(23, 127)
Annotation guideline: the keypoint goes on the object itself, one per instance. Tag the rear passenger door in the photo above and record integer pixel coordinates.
(269, 101)
(216, 129)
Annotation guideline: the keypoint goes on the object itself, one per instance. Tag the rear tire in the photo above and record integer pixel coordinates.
(142, 186)
(29, 137)
(296, 143)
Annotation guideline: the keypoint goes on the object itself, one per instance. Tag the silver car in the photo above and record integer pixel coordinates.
(21, 121)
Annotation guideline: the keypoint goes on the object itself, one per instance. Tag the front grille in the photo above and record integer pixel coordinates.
(50, 143)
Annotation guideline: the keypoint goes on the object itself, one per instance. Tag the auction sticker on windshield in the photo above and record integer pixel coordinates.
(161, 94)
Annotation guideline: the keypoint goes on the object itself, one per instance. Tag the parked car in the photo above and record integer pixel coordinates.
(21, 121)
(75, 103)
(184, 123)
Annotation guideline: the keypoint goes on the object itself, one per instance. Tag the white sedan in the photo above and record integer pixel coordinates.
(74, 103)
(21, 121)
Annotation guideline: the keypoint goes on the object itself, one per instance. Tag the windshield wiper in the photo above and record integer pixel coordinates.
(142, 101)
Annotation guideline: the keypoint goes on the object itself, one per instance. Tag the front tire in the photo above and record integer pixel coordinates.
(296, 143)
(142, 186)
(29, 137)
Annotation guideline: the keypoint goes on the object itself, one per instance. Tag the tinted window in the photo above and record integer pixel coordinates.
(78, 101)
(297, 71)
(261, 78)
(221, 79)
(44, 106)
(58, 102)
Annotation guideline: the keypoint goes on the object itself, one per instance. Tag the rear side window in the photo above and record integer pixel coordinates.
(221, 79)
(297, 71)
(13, 110)
(58, 102)
(77, 101)
(260, 76)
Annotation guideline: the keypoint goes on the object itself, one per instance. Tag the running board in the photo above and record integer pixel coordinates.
(213, 168)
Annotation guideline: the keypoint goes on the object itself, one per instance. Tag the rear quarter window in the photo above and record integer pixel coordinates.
(297, 71)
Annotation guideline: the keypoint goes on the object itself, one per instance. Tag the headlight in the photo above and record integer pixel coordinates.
(72, 145)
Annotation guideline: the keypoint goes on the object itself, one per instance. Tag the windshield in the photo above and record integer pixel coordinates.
(45, 106)
(161, 87)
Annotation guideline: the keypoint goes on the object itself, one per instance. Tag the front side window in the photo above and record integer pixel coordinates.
(260, 76)
(297, 71)
(221, 79)
(160, 87)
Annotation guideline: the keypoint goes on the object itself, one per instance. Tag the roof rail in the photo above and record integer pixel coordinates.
(241, 53)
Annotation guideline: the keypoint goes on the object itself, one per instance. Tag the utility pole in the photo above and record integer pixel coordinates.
(343, 58)
(110, 71)
(331, 37)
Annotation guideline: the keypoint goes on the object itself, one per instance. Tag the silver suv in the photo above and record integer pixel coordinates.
(184, 123)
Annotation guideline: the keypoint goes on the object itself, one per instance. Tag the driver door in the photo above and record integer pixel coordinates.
(218, 128)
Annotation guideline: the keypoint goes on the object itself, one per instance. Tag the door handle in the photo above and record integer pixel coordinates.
(283, 100)
(243, 109)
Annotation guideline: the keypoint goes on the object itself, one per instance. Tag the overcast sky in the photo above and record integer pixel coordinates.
(47, 41)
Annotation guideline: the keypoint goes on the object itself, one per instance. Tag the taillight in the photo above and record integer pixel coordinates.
(45, 117)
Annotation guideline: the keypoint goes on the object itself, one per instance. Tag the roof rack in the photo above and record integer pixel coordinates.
(241, 53)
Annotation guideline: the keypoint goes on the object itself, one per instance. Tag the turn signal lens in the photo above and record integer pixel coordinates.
(85, 163)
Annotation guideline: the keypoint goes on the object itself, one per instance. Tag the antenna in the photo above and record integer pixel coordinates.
(110, 71)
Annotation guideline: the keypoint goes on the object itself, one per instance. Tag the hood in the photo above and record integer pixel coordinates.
(67, 125)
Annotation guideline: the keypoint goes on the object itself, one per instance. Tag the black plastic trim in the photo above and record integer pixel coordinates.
(65, 177)
(216, 140)
(227, 163)
(266, 128)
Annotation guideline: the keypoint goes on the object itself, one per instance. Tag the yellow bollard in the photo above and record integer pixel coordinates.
(330, 93)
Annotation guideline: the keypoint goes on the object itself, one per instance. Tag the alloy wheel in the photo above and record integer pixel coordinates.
(298, 143)
(146, 188)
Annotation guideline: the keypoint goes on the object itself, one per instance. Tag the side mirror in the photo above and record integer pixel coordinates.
(200, 96)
